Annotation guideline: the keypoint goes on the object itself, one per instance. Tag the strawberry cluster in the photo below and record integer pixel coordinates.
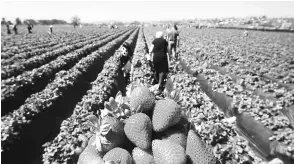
(141, 128)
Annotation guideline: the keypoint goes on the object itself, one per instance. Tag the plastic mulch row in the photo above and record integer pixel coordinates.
(256, 133)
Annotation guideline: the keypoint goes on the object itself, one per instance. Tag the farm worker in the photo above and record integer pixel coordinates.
(158, 51)
(150, 64)
(245, 33)
(8, 28)
(30, 28)
(126, 60)
(51, 29)
(167, 31)
(173, 42)
(15, 28)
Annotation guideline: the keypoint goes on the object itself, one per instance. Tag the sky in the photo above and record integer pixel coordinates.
(93, 11)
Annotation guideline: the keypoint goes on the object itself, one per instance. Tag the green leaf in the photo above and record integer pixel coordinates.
(119, 98)
(188, 114)
(93, 120)
(104, 140)
(98, 143)
(133, 87)
(107, 106)
(176, 95)
(113, 105)
(88, 124)
(106, 112)
(125, 106)
(111, 100)
(105, 127)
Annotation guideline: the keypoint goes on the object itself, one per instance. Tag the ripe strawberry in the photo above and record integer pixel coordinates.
(166, 152)
(197, 151)
(143, 98)
(166, 114)
(118, 155)
(90, 155)
(141, 156)
(138, 129)
(176, 134)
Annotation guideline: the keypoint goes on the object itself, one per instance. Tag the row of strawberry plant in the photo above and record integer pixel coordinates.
(35, 42)
(209, 122)
(54, 43)
(17, 68)
(22, 56)
(253, 56)
(42, 112)
(16, 89)
(28, 49)
(221, 87)
(37, 61)
(40, 37)
(73, 136)
(13, 44)
(251, 77)
(268, 112)
(260, 137)
(225, 84)
(221, 99)
(279, 98)
(141, 68)
(25, 43)
(269, 90)
(246, 76)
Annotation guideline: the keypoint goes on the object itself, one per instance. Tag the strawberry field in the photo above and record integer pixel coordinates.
(229, 98)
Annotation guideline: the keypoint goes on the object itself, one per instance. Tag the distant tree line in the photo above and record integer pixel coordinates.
(53, 21)
(34, 22)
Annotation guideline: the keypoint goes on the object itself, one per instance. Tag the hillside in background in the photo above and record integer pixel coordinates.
(254, 23)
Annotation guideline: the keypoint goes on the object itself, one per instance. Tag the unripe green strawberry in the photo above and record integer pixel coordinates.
(141, 156)
(166, 152)
(138, 129)
(143, 98)
(90, 155)
(166, 113)
(197, 151)
(118, 155)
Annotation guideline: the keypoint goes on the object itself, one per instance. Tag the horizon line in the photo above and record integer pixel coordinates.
(163, 20)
